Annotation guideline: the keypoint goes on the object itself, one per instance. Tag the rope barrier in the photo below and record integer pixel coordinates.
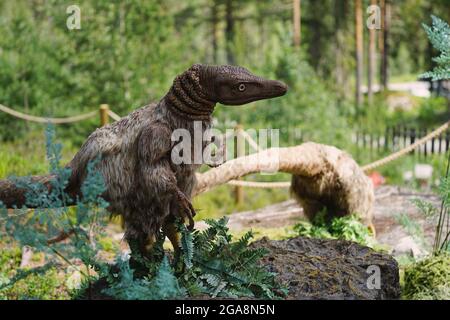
(114, 115)
(406, 150)
(256, 184)
(32, 118)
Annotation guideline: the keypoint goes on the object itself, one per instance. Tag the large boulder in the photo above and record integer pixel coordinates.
(331, 269)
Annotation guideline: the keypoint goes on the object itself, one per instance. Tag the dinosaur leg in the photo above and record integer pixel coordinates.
(170, 231)
(141, 246)
(186, 208)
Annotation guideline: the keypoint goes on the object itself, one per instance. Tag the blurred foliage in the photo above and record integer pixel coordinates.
(47, 285)
(126, 54)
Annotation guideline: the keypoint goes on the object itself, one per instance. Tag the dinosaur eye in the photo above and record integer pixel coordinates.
(241, 87)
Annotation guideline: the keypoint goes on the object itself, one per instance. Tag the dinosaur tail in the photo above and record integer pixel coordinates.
(13, 196)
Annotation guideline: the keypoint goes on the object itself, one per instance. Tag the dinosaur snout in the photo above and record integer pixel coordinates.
(274, 88)
(280, 88)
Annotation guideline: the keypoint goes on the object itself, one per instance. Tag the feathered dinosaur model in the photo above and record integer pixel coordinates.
(143, 184)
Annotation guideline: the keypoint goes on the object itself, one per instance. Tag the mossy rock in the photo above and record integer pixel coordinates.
(330, 269)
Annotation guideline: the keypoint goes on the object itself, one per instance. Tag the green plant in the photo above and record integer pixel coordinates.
(53, 218)
(430, 277)
(347, 228)
(216, 266)
(124, 285)
(439, 36)
(441, 215)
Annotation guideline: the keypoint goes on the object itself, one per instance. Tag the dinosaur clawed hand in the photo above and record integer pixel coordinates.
(187, 210)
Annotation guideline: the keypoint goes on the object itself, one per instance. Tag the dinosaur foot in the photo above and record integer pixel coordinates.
(187, 209)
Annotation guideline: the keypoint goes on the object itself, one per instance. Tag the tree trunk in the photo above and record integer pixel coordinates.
(297, 22)
(372, 61)
(341, 72)
(229, 31)
(359, 51)
(316, 28)
(214, 22)
(385, 58)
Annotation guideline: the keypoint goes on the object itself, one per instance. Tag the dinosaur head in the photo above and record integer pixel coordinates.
(233, 85)
(196, 91)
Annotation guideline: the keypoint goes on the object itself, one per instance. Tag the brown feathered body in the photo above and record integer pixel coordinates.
(139, 185)
(135, 152)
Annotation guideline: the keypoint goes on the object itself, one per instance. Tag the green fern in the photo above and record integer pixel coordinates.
(221, 267)
(439, 35)
(164, 285)
(187, 245)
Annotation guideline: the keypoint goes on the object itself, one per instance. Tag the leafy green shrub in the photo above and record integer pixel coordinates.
(211, 265)
(346, 228)
(124, 285)
(430, 277)
(54, 218)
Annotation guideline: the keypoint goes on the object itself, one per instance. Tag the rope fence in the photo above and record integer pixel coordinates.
(106, 113)
(32, 118)
(368, 167)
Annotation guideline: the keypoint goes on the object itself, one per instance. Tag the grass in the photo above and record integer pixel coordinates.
(27, 157)
(220, 201)
(49, 286)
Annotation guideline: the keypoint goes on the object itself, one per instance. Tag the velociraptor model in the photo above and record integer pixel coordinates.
(142, 182)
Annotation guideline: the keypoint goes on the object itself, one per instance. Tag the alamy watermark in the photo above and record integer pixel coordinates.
(374, 19)
(73, 21)
(214, 147)
(374, 279)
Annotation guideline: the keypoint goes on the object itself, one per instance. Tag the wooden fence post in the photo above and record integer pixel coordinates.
(386, 139)
(425, 146)
(239, 151)
(104, 116)
(412, 138)
(447, 140)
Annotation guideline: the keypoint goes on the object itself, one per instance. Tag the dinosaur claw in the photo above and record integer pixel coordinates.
(191, 224)
(187, 209)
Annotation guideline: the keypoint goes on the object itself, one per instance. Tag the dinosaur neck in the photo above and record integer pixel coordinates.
(186, 99)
